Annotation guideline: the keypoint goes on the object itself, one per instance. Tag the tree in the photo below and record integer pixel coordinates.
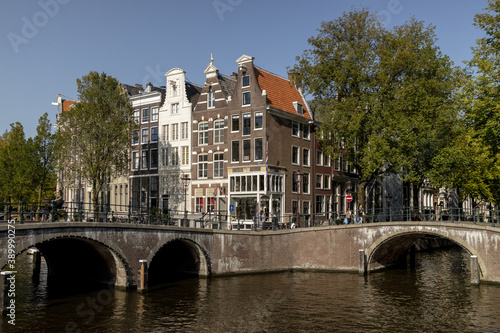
(94, 137)
(43, 159)
(380, 92)
(15, 183)
(481, 98)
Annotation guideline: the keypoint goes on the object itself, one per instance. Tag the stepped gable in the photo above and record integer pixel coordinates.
(281, 92)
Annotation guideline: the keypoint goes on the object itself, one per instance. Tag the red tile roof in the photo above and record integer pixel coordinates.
(281, 92)
(66, 105)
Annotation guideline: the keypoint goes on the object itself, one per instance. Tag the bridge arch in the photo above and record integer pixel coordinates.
(388, 248)
(71, 257)
(178, 255)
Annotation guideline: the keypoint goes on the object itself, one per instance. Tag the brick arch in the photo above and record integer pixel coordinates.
(409, 234)
(123, 277)
(205, 262)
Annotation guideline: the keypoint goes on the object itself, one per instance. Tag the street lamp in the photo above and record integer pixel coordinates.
(186, 180)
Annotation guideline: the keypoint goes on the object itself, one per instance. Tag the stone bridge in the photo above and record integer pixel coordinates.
(128, 255)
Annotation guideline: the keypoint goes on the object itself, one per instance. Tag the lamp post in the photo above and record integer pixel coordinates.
(186, 180)
(298, 174)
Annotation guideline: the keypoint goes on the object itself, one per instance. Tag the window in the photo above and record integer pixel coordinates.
(218, 165)
(219, 131)
(246, 123)
(235, 123)
(145, 115)
(164, 156)
(305, 131)
(327, 160)
(185, 155)
(319, 157)
(298, 107)
(135, 139)
(199, 205)
(294, 207)
(175, 132)
(246, 98)
(136, 116)
(235, 151)
(295, 128)
(154, 134)
(326, 179)
(305, 157)
(305, 183)
(344, 164)
(175, 156)
(144, 160)
(245, 80)
(258, 149)
(203, 166)
(203, 134)
(211, 204)
(145, 135)
(165, 133)
(211, 98)
(319, 181)
(135, 160)
(175, 108)
(246, 150)
(337, 164)
(154, 158)
(174, 89)
(258, 120)
(295, 182)
(295, 155)
(184, 130)
(154, 114)
(320, 204)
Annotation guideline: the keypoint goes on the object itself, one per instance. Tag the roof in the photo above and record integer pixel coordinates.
(193, 92)
(281, 92)
(67, 104)
(227, 84)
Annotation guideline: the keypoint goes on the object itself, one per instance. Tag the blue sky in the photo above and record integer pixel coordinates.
(46, 45)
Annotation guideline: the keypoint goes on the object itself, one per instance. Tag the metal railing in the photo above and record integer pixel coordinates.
(84, 212)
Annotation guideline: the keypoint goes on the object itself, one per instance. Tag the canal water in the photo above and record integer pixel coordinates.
(435, 296)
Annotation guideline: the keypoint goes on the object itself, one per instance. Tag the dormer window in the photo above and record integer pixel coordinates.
(298, 107)
(245, 81)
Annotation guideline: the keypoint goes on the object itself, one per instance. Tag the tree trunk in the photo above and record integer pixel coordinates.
(362, 194)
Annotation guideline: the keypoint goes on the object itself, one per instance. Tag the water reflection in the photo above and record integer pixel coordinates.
(436, 296)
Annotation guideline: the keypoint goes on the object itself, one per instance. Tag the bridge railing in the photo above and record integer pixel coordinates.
(52, 211)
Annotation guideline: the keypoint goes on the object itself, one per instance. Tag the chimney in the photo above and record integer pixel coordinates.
(139, 86)
(234, 76)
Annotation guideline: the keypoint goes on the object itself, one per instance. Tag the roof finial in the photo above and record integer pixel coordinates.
(211, 58)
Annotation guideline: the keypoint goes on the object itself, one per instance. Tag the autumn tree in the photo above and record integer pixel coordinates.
(94, 137)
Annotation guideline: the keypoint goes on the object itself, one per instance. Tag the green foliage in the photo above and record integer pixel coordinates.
(481, 99)
(93, 139)
(386, 94)
(27, 165)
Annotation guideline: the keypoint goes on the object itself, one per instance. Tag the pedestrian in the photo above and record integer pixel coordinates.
(347, 217)
(361, 213)
(263, 218)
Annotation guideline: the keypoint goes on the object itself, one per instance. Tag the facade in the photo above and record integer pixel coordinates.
(175, 146)
(270, 149)
(144, 180)
(211, 155)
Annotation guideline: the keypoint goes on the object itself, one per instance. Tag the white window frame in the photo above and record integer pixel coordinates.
(246, 98)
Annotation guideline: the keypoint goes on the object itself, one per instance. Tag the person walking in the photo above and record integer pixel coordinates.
(263, 218)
